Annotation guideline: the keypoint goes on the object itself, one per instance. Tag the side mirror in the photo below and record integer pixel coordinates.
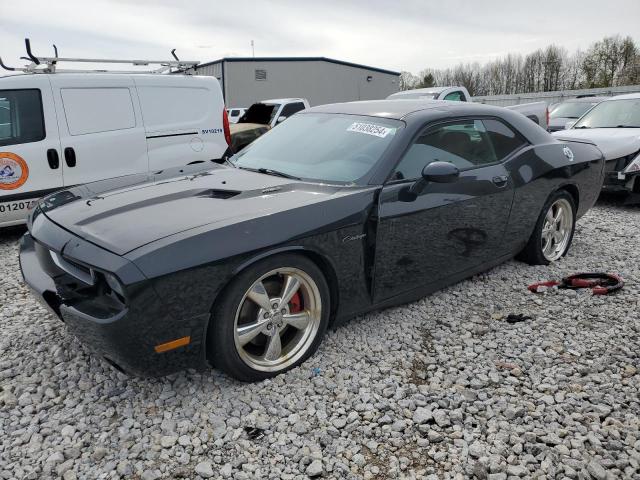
(281, 118)
(437, 172)
(569, 124)
(440, 172)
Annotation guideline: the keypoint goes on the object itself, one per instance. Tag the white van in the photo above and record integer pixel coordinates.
(64, 129)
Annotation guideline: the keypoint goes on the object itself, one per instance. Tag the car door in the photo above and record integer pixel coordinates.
(29, 145)
(449, 228)
(101, 129)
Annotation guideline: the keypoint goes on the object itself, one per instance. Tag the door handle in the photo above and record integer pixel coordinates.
(70, 157)
(500, 180)
(53, 158)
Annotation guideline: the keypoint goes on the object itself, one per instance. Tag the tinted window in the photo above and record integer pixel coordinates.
(21, 118)
(292, 108)
(466, 144)
(320, 146)
(235, 113)
(505, 141)
(93, 110)
(455, 96)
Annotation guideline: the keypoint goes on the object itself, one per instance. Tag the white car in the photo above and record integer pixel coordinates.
(64, 129)
(614, 126)
(235, 113)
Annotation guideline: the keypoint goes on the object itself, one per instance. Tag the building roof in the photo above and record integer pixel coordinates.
(297, 59)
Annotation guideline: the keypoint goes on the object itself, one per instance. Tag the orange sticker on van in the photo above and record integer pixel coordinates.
(13, 171)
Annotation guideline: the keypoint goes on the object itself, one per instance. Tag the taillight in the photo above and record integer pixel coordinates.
(225, 126)
(547, 117)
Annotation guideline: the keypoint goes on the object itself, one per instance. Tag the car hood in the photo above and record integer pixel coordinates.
(613, 142)
(123, 214)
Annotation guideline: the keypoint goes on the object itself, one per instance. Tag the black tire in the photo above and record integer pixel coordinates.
(533, 252)
(221, 340)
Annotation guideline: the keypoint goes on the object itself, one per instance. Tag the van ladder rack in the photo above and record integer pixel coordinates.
(49, 64)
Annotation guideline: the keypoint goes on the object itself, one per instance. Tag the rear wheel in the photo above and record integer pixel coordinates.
(270, 319)
(553, 233)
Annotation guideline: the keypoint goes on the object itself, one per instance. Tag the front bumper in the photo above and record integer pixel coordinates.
(124, 334)
(618, 182)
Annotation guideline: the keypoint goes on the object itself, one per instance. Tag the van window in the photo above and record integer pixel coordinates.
(93, 110)
(174, 107)
(21, 118)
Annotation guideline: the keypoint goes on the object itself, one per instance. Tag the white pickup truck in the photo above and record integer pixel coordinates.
(537, 111)
(261, 117)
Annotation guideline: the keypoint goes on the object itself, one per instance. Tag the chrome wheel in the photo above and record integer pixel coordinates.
(277, 319)
(557, 229)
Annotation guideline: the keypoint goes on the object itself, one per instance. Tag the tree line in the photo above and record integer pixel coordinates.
(612, 61)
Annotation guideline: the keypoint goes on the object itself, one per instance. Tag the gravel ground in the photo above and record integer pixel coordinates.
(440, 388)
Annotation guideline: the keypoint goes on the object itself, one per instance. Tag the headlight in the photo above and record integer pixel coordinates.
(114, 284)
(634, 166)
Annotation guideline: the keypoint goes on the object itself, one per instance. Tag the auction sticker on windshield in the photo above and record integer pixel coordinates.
(13, 171)
(370, 129)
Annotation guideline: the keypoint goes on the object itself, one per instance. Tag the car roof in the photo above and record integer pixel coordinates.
(626, 96)
(422, 90)
(584, 100)
(393, 108)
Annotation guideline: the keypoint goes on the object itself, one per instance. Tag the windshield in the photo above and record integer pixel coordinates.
(571, 109)
(612, 114)
(321, 146)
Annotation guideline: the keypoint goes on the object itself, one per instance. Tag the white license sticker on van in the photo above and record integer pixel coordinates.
(370, 129)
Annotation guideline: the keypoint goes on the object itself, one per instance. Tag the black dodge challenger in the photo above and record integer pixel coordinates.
(341, 209)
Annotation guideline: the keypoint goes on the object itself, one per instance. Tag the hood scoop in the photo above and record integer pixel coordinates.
(219, 194)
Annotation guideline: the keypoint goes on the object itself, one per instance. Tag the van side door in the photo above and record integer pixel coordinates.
(30, 162)
(183, 117)
(101, 128)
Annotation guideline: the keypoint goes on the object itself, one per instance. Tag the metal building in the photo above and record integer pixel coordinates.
(318, 79)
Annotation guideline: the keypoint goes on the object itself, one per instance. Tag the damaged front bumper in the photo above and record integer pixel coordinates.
(123, 328)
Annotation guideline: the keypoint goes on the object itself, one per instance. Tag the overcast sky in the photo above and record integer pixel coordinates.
(397, 35)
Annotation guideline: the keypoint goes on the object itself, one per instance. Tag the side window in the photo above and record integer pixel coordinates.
(234, 113)
(21, 118)
(456, 96)
(505, 141)
(292, 108)
(464, 143)
(94, 110)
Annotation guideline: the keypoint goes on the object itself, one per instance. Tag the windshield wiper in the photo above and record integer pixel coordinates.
(268, 171)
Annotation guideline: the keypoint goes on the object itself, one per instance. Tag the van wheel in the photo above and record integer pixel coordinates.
(270, 319)
(554, 230)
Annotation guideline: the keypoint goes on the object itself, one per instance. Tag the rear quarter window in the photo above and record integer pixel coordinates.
(504, 139)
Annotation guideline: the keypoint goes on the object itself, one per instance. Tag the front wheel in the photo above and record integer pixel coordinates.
(553, 233)
(270, 319)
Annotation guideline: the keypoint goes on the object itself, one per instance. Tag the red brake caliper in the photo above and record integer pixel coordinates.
(295, 305)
